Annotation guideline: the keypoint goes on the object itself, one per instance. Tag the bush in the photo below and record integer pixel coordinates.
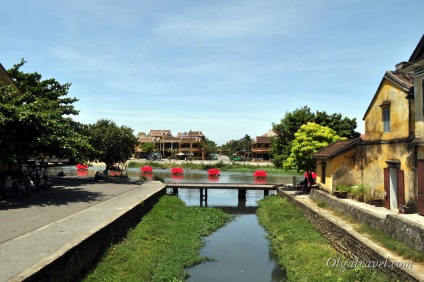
(343, 188)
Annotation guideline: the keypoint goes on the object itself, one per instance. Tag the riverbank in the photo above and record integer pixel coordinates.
(166, 241)
(301, 249)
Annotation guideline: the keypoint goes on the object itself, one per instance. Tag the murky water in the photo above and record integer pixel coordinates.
(240, 250)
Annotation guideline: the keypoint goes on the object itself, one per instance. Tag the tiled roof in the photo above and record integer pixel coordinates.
(418, 52)
(263, 139)
(406, 80)
(336, 148)
(192, 134)
(158, 133)
(148, 139)
(6, 80)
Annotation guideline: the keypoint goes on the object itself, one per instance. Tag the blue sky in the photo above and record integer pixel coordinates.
(227, 68)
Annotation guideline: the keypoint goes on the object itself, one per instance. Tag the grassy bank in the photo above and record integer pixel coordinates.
(166, 241)
(301, 249)
(237, 167)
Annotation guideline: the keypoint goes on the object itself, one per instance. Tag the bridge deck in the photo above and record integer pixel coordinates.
(222, 186)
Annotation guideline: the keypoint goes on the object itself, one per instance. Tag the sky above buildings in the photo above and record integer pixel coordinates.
(228, 68)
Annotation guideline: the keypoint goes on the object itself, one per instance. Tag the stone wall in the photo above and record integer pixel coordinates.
(395, 225)
(352, 245)
(79, 259)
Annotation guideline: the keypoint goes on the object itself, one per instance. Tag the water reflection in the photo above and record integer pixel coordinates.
(189, 176)
(241, 253)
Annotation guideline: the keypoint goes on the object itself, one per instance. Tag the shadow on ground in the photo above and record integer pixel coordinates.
(54, 197)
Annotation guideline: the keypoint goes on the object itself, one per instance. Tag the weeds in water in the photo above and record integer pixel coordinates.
(167, 240)
(300, 248)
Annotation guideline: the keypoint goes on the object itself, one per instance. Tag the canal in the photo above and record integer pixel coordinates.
(240, 250)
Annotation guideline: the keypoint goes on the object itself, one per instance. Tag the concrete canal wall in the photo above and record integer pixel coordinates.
(76, 258)
(349, 243)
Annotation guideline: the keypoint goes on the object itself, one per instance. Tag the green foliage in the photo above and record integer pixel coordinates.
(167, 240)
(309, 139)
(358, 191)
(37, 122)
(148, 148)
(301, 249)
(343, 188)
(111, 143)
(237, 146)
(281, 143)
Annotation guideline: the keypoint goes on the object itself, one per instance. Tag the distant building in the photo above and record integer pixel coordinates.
(261, 147)
(185, 145)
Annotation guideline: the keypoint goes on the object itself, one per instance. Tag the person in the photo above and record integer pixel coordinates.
(97, 176)
(311, 179)
(7, 187)
(303, 185)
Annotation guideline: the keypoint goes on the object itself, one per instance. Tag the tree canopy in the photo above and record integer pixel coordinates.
(309, 139)
(37, 122)
(111, 143)
(281, 143)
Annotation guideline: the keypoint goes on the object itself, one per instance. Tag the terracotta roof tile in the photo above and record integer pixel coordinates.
(336, 148)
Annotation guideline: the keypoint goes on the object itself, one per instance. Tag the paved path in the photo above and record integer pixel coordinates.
(37, 230)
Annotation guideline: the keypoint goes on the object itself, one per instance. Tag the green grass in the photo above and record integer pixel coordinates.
(236, 167)
(390, 243)
(167, 240)
(301, 249)
(397, 247)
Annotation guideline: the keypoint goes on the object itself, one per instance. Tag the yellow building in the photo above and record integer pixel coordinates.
(390, 159)
(415, 67)
(336, 164)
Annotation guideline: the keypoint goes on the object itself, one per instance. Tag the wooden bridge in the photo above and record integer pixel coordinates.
(204, 187)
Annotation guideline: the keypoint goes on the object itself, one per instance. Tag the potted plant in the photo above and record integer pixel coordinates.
(342, 191)
(359, 192)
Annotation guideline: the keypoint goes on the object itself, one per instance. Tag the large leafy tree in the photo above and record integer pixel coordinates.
(309, 139)
(210, 147)
(281, 143)
(37, 121)
(284, 133)
(111, 143)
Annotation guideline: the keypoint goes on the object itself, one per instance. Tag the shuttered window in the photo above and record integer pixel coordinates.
(386, 119)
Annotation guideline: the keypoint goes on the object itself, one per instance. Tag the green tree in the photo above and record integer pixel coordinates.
(148, 148)
(310, 138)
(284, 133)
(344, 126)
(111, 143)
(281, 143)
(37, 122)
(210, 147)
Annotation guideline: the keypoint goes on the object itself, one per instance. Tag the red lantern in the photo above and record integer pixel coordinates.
(177, 171)
(214, 172)
(146, 169)
(260, 173)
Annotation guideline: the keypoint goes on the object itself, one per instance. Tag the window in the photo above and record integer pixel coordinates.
(386, 119)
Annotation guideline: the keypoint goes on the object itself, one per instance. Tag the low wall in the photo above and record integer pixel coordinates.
(395, 225)
(79, 259)
(352, 245)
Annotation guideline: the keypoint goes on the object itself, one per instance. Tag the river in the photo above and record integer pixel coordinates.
(240, 250)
